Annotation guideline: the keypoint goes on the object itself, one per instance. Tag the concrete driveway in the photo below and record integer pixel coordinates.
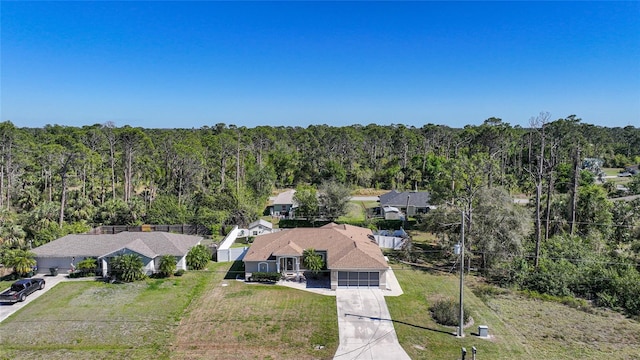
(7, 310)
(365, 326)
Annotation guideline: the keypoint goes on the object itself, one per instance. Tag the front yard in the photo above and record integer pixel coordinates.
(188, 317)
(234, 320)
(521, 328)
(95, 320)
(208, 314)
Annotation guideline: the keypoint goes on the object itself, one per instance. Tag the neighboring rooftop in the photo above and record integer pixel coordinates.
(149, 244)
(285, 198)
(399, 199)
(262, 223)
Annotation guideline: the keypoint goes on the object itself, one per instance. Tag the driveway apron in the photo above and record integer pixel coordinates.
(7, 310)
(365, 326)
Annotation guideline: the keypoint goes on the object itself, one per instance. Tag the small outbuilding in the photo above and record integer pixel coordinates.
(260, 227)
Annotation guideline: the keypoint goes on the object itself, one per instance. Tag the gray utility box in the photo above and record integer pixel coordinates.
(483, 331)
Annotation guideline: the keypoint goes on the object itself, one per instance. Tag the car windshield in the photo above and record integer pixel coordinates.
(17, 287)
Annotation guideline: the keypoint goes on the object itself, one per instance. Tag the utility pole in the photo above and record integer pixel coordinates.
(406, 213)
(461, 326)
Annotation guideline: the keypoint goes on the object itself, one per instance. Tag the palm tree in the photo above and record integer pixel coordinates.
(198, 257)
(167, 265)
(128, 267)
(21, 261)
(312, 261)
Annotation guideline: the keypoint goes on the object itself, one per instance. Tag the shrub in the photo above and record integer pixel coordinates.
(447, 312)
(265, 276)
(128, 267)
(167, 265)
(485, 291)
(198, 257)
(88, 267)
(180, 272)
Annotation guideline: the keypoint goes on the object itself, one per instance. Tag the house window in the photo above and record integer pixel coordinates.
(263, 267)
(255, 232)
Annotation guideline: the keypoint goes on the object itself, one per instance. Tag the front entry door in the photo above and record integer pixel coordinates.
(287, 264)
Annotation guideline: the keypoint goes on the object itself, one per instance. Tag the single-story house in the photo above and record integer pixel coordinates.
(150, 246)
(283, 204)
(409, 202)
(350, 253)
(260, 227)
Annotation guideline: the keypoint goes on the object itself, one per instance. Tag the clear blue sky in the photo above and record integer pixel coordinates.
(191, 64)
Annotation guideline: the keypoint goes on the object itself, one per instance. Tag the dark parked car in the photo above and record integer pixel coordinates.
(21, 289)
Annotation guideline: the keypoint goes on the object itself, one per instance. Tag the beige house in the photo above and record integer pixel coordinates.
(350, 253)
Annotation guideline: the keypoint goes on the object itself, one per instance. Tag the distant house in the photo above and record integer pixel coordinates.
(409, 202)
(350, 253)
(260, 227)
(150, 246)
(283, 204)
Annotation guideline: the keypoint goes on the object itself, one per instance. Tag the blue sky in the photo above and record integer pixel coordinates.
(190, 64)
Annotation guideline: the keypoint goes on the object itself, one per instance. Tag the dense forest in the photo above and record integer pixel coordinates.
(58, 180)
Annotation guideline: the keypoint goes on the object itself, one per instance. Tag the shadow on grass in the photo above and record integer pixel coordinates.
(403, 323)
(235, 271)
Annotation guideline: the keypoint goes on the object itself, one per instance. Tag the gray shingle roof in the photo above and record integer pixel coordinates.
(150, 244)
(285, 198)
(399, 199)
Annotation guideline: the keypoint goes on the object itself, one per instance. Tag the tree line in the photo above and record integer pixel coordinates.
(57, 179)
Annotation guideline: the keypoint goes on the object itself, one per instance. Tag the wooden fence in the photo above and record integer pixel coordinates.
(186, 229)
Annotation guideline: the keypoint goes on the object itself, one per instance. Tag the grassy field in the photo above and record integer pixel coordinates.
(89, 319)
(423, 338)
(234, 320)
(368, 192)
(355, 212)
(209, 315)
(612, 171)
(520, 328)
(157, 319)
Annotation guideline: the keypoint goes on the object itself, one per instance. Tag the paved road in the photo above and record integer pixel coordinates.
(365, 327)
(353, 198)
(7, 310)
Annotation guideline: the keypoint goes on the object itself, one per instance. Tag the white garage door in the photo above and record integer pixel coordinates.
(358, 278)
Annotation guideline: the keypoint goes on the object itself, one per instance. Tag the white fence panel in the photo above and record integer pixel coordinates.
(230, 238)
(233, 254)
(389, 242)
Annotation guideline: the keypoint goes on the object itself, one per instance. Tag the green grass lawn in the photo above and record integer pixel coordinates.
(208, 314)
(612, 171)
(157, 319)
(520, 328)
(95, 320)
(236, 320)
(240, 243)
(423, 338)
(5, 284)
(355, 212)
